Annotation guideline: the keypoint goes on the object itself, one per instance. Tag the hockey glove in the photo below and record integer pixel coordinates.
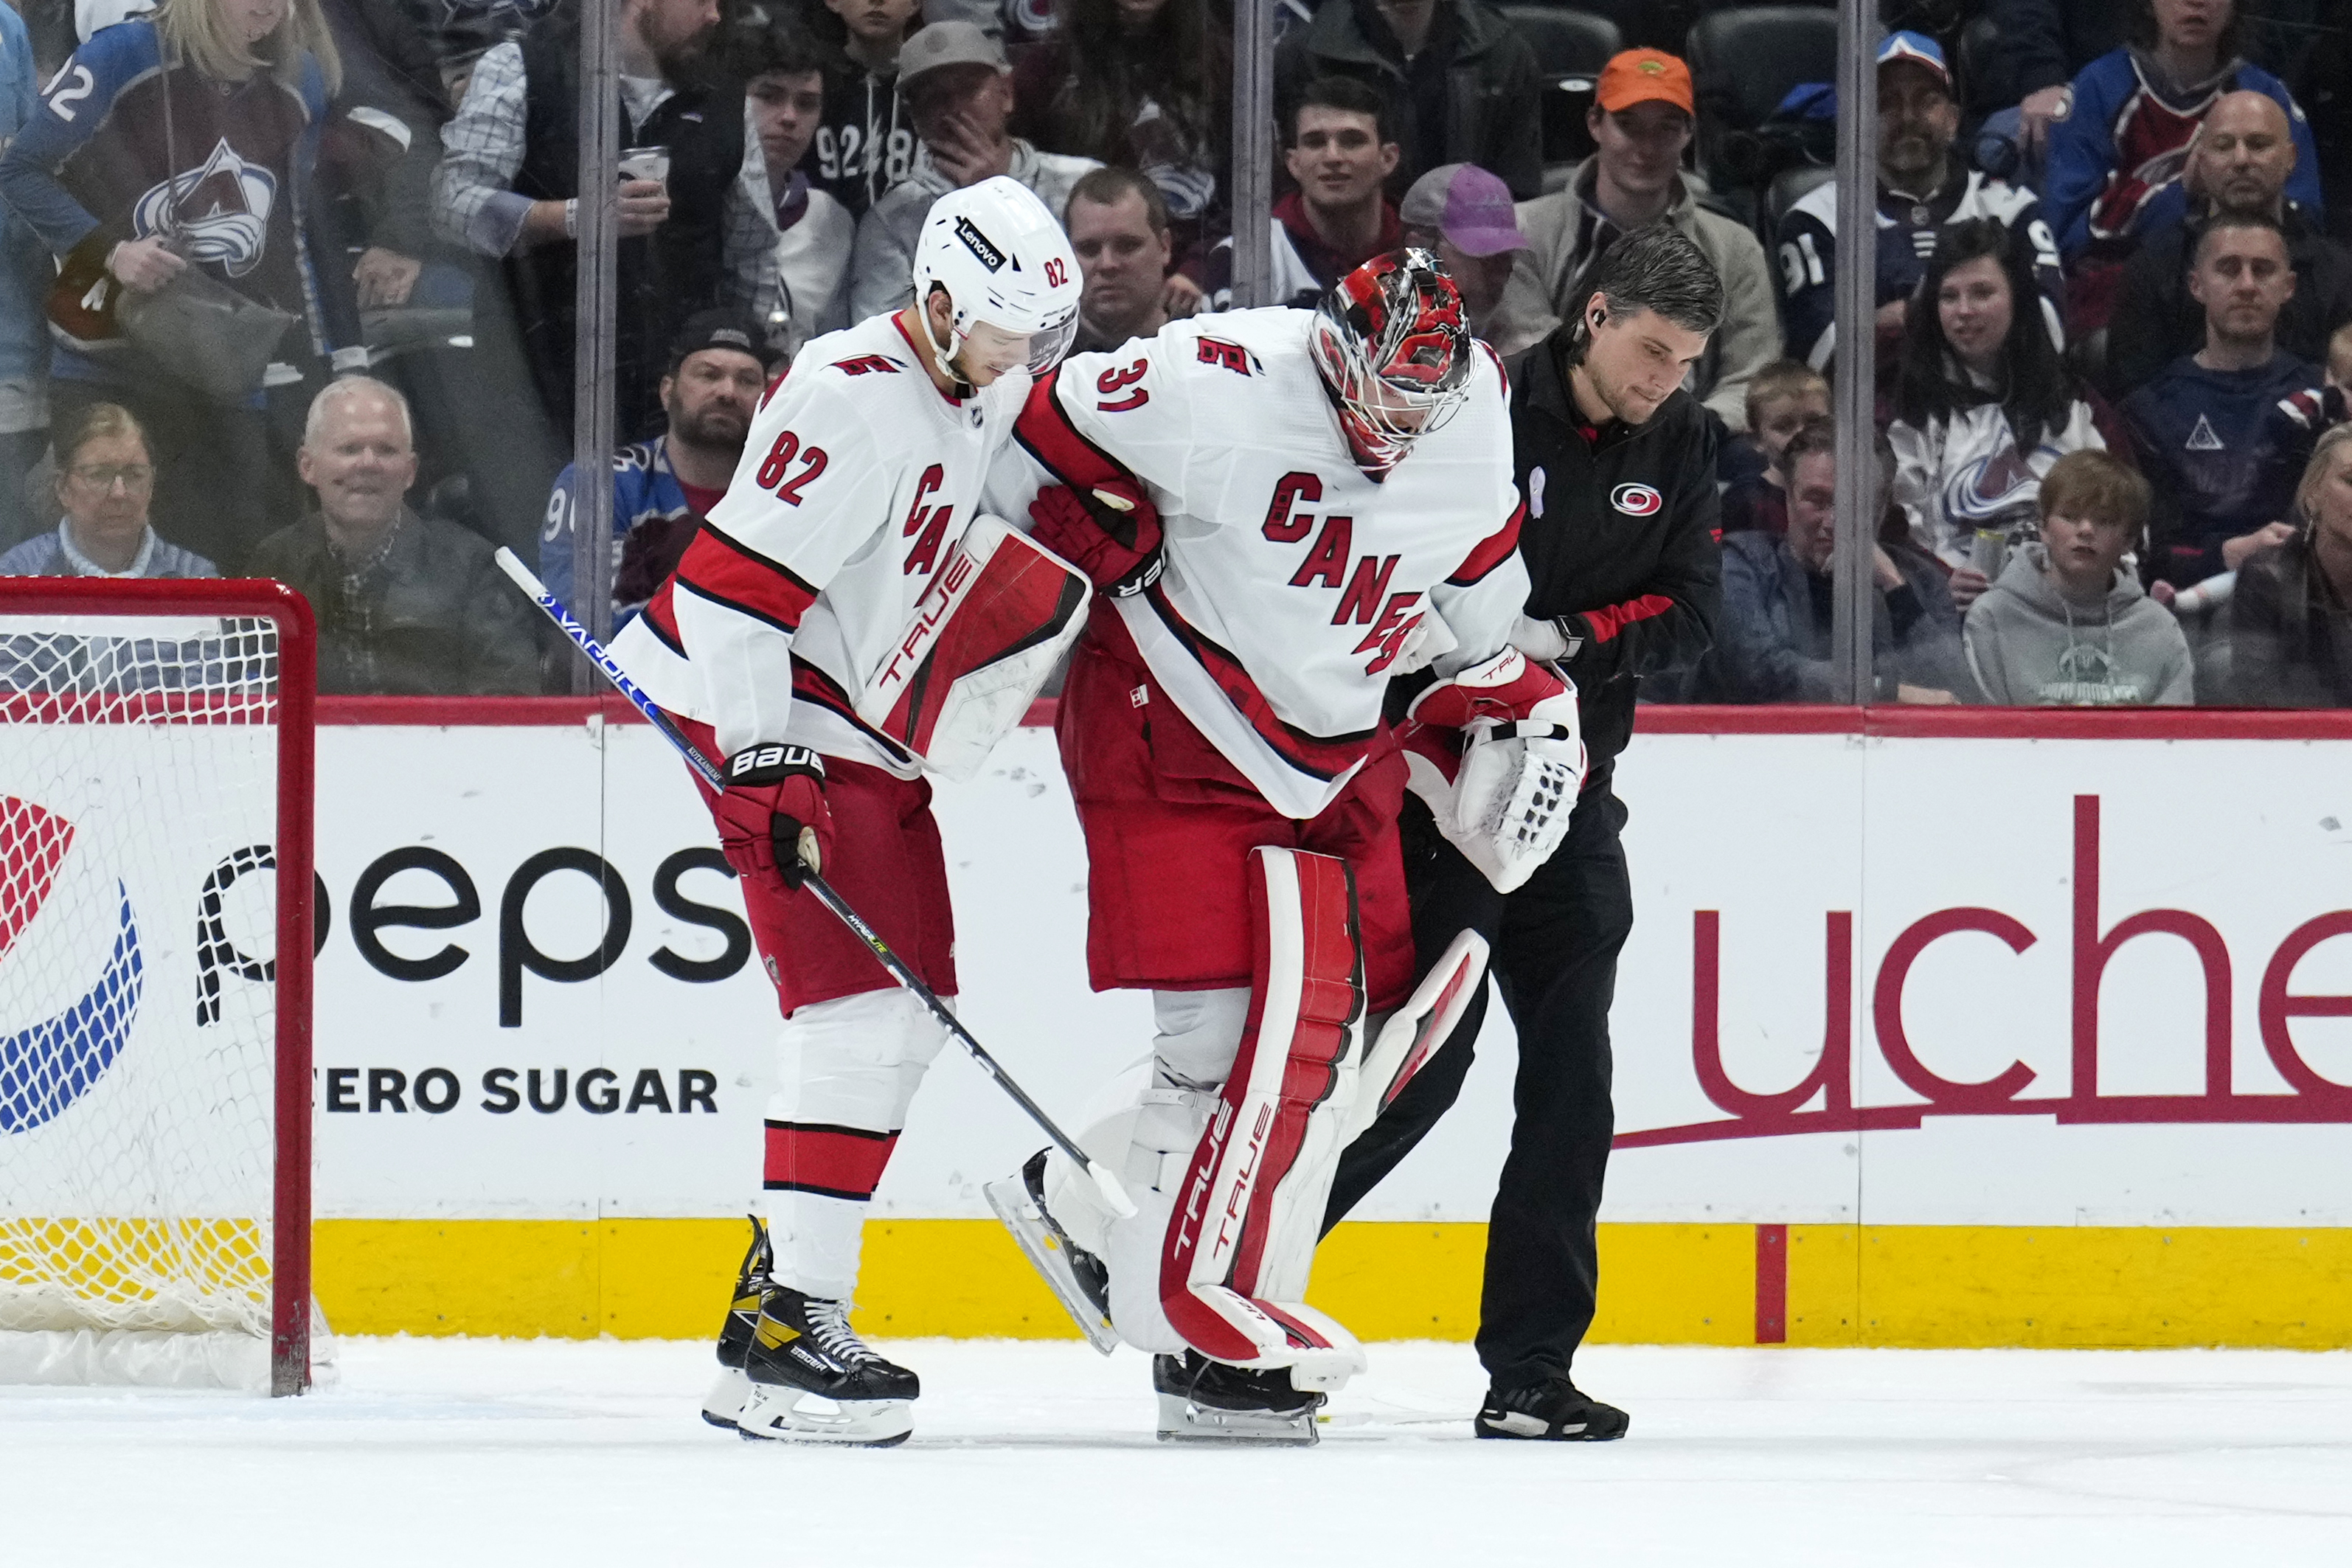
(773, 819)
(1111, 533)
(1498, 756)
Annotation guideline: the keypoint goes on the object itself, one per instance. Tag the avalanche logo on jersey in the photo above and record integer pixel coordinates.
(1994, 491)
(221, 212)
(45, 1068)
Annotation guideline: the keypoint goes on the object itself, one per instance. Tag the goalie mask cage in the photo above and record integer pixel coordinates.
(156, 947)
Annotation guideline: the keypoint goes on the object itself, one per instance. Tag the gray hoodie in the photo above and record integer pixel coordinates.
(2029, 646)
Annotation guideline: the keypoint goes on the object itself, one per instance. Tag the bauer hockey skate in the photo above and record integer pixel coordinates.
(814, 1381)
(732, 1387)
(1076, 1277)
(1205, 1401)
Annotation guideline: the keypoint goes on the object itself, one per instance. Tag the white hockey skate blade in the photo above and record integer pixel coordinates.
(724, 1403)
(1048, 1254)
(775, 1414)
(1181, 1420)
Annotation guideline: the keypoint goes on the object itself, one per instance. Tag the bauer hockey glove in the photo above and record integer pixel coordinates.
(1111, 533)
(773, 819)
(1498, 756)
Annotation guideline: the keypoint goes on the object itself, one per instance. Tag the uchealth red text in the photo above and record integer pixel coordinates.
(1823, 1100)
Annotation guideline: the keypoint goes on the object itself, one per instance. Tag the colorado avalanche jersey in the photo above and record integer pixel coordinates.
(857, 476)
(2117, 158)
(96, 166)
(1294, 581)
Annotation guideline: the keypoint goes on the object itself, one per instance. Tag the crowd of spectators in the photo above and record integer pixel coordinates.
(2113, 296)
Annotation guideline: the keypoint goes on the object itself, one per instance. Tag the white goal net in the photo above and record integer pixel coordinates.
(154, 1199)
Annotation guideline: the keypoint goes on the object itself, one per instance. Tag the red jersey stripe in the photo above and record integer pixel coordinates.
(1318, 756)
(718, 569)
(1492, 550)
(1045, 433)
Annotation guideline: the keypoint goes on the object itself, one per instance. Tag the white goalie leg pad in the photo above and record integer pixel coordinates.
(1410, 1036)
(1235, 1264)
(845, 1072)
(1145, 1125)
(997, 618)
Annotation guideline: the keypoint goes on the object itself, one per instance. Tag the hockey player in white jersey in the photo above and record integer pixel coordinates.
(1283, 509)
(841, 562)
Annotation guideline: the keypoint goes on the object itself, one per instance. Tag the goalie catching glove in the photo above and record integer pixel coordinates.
(1497, 755)
(1111, 533)
(773, 819)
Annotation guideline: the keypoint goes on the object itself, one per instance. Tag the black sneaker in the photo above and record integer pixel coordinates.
(1553, 1411)
(725, 1400)
(1209, 1401)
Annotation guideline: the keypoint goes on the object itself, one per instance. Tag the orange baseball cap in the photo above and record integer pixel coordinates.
(1639, 76)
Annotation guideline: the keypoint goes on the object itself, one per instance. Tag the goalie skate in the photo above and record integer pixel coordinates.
(1205, 1401)
(733, 1387)
(814, 1381)
(1076, 1276)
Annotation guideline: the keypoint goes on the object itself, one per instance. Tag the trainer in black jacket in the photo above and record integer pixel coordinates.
(1620, 542)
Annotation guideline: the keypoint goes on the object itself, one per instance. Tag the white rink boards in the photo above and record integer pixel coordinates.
(1951, 863)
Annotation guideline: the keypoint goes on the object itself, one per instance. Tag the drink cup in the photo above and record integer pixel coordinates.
(646, 163)
(1989, 552)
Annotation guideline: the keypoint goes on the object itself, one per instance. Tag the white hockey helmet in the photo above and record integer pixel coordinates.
(1004, 259)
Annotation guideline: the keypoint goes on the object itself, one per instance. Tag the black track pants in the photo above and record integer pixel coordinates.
(1555, 943)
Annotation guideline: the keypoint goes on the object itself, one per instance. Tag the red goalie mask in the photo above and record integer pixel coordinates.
(1394, 347)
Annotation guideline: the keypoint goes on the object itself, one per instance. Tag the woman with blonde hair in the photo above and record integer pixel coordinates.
(2290, 616)
(178, 143)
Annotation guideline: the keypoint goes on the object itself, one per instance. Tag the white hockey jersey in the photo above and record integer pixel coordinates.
(857, 478)
(1293, 580)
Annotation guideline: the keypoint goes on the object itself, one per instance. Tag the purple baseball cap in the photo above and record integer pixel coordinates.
(1467, 204)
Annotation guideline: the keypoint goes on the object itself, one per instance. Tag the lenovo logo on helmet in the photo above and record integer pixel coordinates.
(1636, 500)
(980, 244)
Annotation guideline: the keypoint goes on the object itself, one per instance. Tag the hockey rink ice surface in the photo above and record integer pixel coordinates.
(447, 1453)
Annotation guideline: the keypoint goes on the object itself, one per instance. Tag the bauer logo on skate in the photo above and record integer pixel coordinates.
(49, 933)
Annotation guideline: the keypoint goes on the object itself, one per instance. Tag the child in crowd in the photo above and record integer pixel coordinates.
(866, 143)
(2065, 624)
(1780, 398)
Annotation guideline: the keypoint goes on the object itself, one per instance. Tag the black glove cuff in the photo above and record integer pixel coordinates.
(1145, 574)
(768, 765)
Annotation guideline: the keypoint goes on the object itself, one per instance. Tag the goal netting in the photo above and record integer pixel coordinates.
(155, 907)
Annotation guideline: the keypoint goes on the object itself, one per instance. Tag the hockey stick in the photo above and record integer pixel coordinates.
(1113, 1193)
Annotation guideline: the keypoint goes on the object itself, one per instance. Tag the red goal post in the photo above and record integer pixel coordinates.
(133, 713)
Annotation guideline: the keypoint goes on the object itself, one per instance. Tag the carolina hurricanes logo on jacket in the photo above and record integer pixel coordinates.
(1636, 500)
(221, 210)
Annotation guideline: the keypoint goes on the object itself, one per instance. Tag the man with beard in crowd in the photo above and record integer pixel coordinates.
(1922, 187)
(663, 486)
